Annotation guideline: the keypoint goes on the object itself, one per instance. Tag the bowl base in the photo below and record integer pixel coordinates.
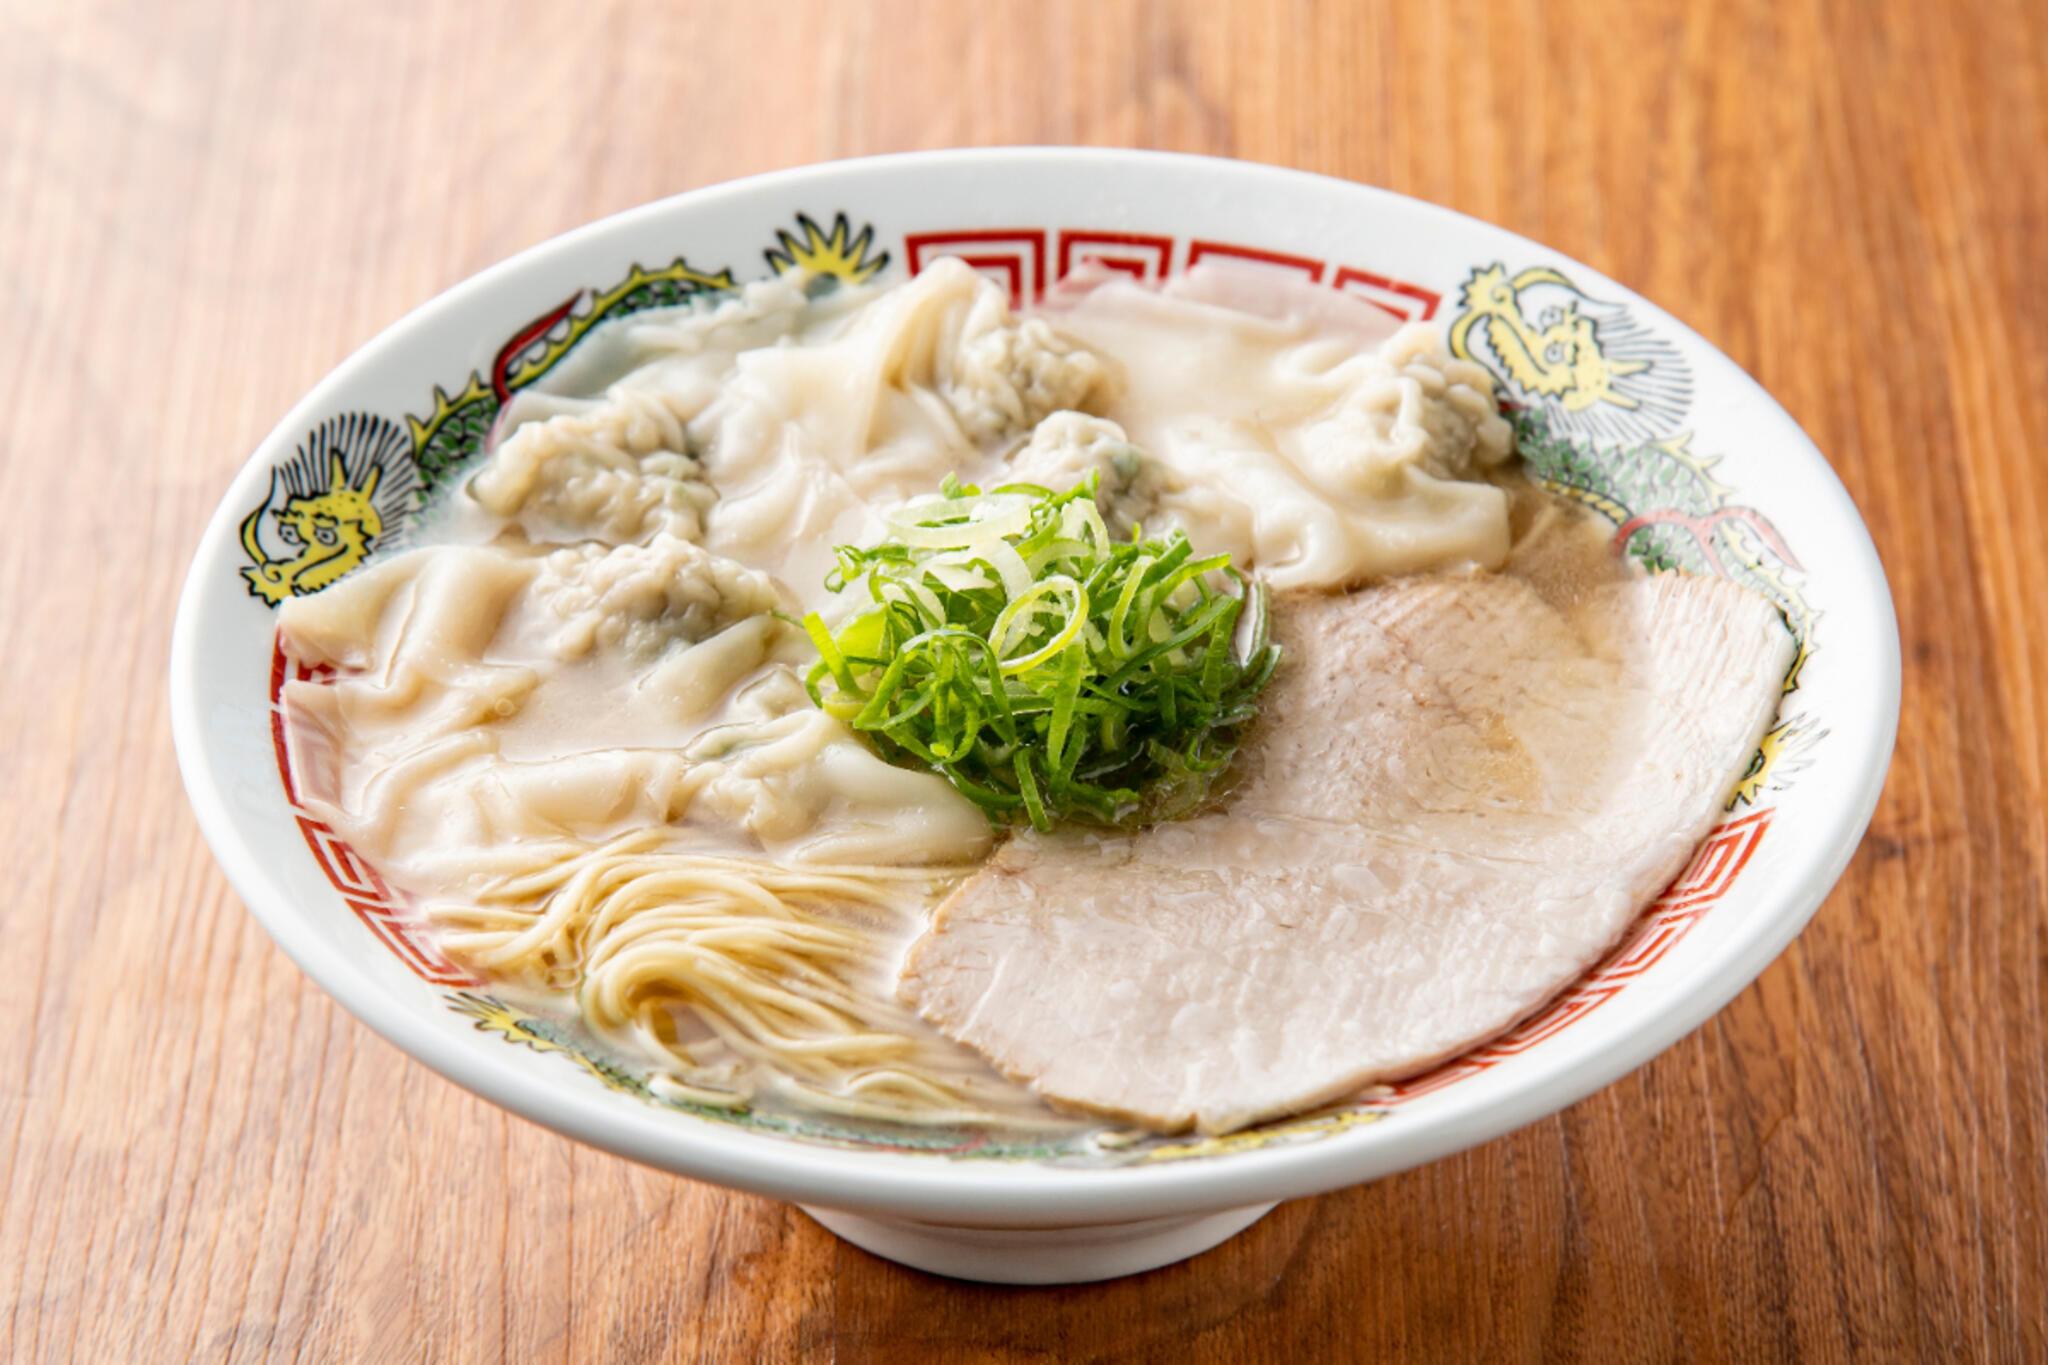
(1065, 1255)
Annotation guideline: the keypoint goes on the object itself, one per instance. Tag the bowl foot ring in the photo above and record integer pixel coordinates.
(1064, 1255)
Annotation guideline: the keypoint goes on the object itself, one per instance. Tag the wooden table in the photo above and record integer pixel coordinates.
(204, 206)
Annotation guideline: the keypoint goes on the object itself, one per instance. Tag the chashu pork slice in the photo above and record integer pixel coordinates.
(1458, 797)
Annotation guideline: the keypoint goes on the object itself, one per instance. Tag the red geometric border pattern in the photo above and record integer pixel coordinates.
(1409, 302)
(1148, 260)
(1706, 879)
(387, 913)
(1016, 259)
(1303, 265)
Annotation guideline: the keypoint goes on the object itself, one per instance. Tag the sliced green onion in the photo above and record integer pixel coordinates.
(1045, 668)
(1016, 619)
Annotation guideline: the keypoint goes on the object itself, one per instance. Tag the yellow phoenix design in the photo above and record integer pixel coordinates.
(839, 253)
(494, 1016)
(1252, 1139)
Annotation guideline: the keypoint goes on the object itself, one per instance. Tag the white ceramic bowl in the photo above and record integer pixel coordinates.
(1623, 408)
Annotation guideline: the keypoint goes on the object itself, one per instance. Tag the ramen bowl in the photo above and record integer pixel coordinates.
(1618, 406)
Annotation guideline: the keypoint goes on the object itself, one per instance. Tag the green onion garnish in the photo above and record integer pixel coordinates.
(1048, 669)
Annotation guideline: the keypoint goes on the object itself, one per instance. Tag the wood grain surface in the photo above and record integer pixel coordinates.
(205, 205)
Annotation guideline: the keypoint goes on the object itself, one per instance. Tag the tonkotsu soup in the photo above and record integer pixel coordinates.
(769, 625)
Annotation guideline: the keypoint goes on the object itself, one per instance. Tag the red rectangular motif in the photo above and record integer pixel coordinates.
(1144, 258)
(1409, 302)
(1018, 252)
(1305, 265)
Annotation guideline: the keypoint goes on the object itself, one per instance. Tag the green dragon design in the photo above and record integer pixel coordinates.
(455, 430)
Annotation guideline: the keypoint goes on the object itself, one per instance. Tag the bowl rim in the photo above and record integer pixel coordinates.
(934, 1187)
